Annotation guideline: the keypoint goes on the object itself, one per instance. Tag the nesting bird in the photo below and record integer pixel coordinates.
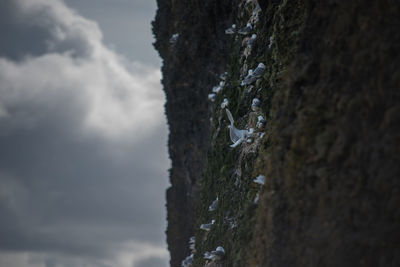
(257, 198)
(224, 103)
(249, 79)
(192, 243)
(213, 205)
(216, 254)
(237, 136)
(211, 97)
(255, 104)
(252, 40)
(246, 30)
(231, 30)
(261, 122)
(271, 42)
(207, 226)
(260, 179)
(218, 88)
(174, 38)
(188, 261)
(259, 71)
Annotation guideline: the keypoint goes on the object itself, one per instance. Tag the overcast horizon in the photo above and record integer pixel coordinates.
(83, 135)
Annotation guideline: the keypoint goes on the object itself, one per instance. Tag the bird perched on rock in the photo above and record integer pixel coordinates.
(261, 122)
(252, 40)
(231, 30)
(188, 261)
(259, 71)
(213, 205)
(218, 253)
(271, 42)
(260, 179)
(255, 104)
(246, 30)
(174, 38)
(207, 226)
(249, 79)
(224, 103)
(211, 97)
(237, 136)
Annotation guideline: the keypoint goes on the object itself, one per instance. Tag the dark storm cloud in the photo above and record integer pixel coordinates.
(83, 145)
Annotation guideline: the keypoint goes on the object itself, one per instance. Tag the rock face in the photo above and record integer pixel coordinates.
(329, 150)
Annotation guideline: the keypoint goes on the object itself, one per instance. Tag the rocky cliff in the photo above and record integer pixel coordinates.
(325, 135)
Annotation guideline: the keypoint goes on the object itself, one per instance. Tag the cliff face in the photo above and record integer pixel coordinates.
(329, 149)
(191, 65)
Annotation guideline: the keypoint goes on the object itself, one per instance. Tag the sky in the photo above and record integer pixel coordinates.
(83, 154)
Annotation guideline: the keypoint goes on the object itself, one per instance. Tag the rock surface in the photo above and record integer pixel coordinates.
(329, 150)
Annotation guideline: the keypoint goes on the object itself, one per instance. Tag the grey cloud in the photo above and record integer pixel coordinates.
(83, 142)
(151, 262)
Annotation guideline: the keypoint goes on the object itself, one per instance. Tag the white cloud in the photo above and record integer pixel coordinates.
(114, 100)
(79, 89)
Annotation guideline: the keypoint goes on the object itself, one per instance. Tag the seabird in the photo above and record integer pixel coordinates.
(257, 198)
(237, 136)
(246, 30)
(231, 30)
(255, 104)
(252, 40)
(259, 71)
(208, 256)
(207, 226)
(271, 42)
(213, 205)
(249, 79)
(192, 242)
(260, 179)
(219, 252)
(224, 103)
(211, 97)
(261, 122)
(188, 261)
(174, 38)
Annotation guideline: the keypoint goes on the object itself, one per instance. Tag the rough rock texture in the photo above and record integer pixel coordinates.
(330, 148)
(191, 66)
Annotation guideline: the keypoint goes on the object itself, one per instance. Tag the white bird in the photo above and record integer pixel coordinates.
(237, 136)
(188, 261)
(260, 179)
(257, 198)
(231, 30)
(261, 122)
(223, 76)
(213, 205)
(246, 30)
(259, 71)
(192, 243)
(271, 42)
(249, 79)
(219, 252)
(252, 40)
(224, 103)
(255, 104)
(208, 256)
(211, 97)
(174, 38)
(218, 88)
(207, 226)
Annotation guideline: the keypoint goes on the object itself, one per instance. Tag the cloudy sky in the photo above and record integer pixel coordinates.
(83, 156)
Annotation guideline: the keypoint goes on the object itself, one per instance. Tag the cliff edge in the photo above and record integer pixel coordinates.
(322, 136)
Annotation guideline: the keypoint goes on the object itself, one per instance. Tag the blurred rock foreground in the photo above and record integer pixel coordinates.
(329, 149)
